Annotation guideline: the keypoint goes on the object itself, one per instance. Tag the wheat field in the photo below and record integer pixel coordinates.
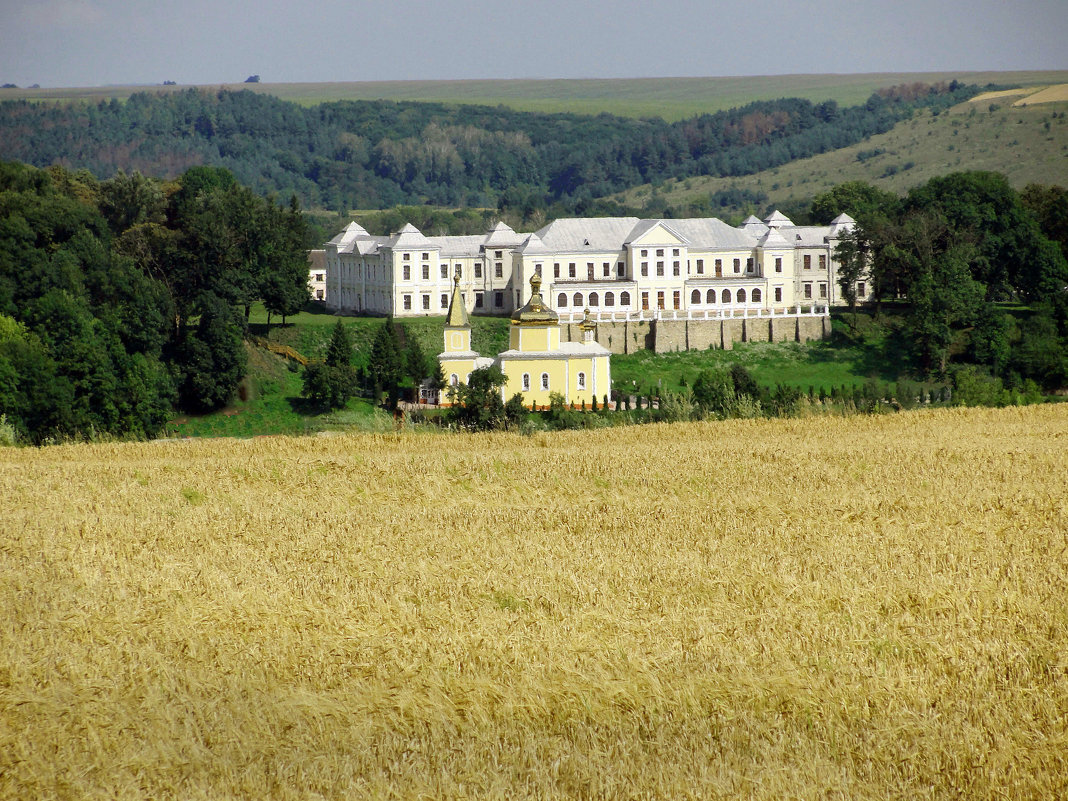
(861, 608)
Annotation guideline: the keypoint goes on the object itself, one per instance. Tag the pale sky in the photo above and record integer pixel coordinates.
(99, 42)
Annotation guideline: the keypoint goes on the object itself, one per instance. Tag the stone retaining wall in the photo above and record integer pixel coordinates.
(667, 336)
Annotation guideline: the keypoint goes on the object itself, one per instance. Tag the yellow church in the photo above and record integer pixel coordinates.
(536, 363)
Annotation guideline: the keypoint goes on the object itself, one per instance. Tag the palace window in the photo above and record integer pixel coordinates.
(695, 297)
(861, 289)
(675, 268)
(823, 290)
(676, 299)
(556, 271)
(624, 298)
(808, 291)
(749, 265)
(645, 252)
(460, 270)
(659, 251)
(444, 271)
(719, 267)
(581, 380)
(645, 301)
(660, 300)
(478, 300)
(756, 296)
(660, 268)
(426, 272)
(726, 296)
(778, 264)
(444, 301)
(700, 266)
(607, 270)
(823, 262)
(778, 294)
(710, 296)
(537, 270)
(589, 271)
(594, 300)
(675, 252)
(426, 257)
(609, 299)
(561, 300)
(498, 269)
(578, 300)
(407, 272)
(545, 381)
(620, 269)
(571, 270)
(478, 269)
(645, 268)
(808, 262)
(498, 299)
(737, 265)
(526, 382)
(408, 302)
(426, 302)
(741, 296)
(408, 257)
(498, 254)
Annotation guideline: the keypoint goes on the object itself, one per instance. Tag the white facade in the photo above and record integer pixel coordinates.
(619, 267)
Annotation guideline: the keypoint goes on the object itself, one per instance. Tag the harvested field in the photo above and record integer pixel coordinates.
(1051, 94)
(820, 608)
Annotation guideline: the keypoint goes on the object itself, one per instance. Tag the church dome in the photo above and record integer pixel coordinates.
(535, 312)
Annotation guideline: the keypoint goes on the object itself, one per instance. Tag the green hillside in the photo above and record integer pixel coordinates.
(670, 98)
(1029, 144)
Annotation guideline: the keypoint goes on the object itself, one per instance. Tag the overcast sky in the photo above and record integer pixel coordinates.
(98, 42)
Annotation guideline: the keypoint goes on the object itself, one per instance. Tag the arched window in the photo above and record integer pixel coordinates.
(578, 300)
(609, 299)
(726, 296)
(756, 296)
(695, 296)
(545, 381)
(710, 296)
(624, 298)
(581, 380)
(741, 296)
(561, 300)
(526, 382)
(594, 300)
(454, 379)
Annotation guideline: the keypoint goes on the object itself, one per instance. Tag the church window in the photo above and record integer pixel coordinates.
(741, 296)
(581, 380)
(594, 300)
(454, 379)
(624, 298)
(561, 300)
(609, 299)
(695, 296)
(545, 381)
(526, 382)
(578, 300)
(756, 296)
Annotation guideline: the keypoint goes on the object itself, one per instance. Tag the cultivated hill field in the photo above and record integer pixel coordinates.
(1023, 135)
(670, 98)
(864, 608)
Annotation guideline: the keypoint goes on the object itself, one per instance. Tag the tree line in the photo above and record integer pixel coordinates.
(125, 300)
(378, 154)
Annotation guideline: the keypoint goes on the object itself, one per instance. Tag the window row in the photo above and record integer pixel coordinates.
(593, 300)
(756, 296)
(591, 270)
(580, 382)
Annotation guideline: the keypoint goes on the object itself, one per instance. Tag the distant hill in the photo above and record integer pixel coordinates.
(671, 99)
(1007, 132)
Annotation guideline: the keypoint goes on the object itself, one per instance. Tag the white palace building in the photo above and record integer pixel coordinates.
(621, 268)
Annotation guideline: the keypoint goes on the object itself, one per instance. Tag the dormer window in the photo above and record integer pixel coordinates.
(586, 242)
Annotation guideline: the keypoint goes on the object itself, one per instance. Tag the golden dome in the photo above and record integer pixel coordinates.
(535, 312)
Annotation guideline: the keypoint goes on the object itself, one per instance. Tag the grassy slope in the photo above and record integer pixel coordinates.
(1025, 143)
(670, 98)
(863, 608)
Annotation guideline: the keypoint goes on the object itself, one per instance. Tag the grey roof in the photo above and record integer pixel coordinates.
(773, 239)
(348, 233)
(456, 247)
(533, 245)
(576, 235)
(842, 224)
(645, 226)
(409, 237)
(711, 233)
(805, 236)
(501, 236)
(777, 218)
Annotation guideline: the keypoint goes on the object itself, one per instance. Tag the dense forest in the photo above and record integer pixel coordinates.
(122, 301)
(378, 154)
